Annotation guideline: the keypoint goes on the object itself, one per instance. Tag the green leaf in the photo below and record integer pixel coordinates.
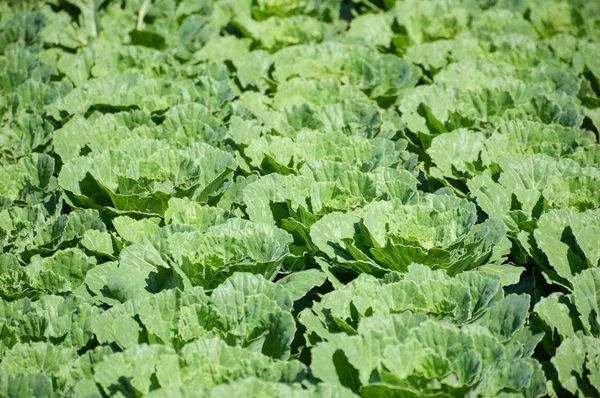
(25, 385)
(586, 294)
(576, 362)
(302, 282)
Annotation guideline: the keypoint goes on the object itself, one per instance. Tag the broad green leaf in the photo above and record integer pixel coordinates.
(576, 362)
(302, 282)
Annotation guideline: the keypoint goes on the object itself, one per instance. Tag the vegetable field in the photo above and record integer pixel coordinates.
(299, 198)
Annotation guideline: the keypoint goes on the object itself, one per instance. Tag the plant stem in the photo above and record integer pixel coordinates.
(142, 14)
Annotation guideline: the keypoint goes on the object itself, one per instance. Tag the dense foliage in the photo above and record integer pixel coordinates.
(299, 198)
